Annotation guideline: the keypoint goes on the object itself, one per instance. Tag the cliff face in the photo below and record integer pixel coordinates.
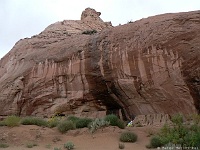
(146, 67)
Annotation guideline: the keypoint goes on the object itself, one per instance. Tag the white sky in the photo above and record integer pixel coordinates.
(24, 18)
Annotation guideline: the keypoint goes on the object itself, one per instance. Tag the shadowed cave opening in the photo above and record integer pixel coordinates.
(112, 107)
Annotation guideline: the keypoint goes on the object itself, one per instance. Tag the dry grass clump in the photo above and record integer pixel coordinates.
(128, 137)
(65, 126)
(34, 121)
(12, 121)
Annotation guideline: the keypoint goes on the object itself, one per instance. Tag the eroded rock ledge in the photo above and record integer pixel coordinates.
(147, 67)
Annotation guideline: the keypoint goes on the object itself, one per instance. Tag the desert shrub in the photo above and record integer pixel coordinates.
(73, 118)
(196, 118)
(66, 125)
(130, 21)
(83, 122)
(121, 124)
(98, 123)
(156, 142)
(2, 123)
(53, 122)
(113, 119)
(3, 145)
(34, 121)
(128, 137)
(121, 146)
(31, 145)
(89, 32)
(69, 145)
(12, 121)
(178, 134)
(177, 119)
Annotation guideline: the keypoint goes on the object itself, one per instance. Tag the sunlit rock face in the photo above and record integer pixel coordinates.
(150, 66)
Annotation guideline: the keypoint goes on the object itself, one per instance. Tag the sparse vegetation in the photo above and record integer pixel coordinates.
(178, 133)
(48, 146)
(121, 124)
(89, 32)
(80, 122)
(69, 145)
(195, 118)
(83, 122)
(98, 123)
(2, 123)
(34, 121)
(130, 21)
(115, 121)
(3, 145)
(155, 142)
(12, 121)
(73, 118)
(31, 145)
(128, 137)
(53, 122)
(66, 125)
(56, 148)
(121, 146)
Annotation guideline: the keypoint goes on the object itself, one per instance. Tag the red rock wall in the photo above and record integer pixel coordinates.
(146, 67)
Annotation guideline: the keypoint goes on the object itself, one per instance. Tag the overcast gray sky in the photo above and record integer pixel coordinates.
(25, 18)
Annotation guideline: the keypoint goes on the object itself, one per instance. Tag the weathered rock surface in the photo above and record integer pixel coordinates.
(151, 119)
(146, 67)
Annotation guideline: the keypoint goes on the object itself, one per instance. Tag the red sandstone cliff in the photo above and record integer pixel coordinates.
(146, 67)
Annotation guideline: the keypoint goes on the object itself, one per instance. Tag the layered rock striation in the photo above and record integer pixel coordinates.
(146, 67)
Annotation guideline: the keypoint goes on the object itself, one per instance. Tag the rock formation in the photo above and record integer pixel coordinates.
(151, 119)
(146, 67)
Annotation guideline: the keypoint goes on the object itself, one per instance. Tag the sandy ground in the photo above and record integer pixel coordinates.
(46, 138)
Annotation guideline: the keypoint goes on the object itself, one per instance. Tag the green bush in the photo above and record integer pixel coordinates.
(121, 124)
(12, 121)
(2, 123)
(34, 121)
(3, 145)
(196, 118)
(80, 122)
(128, 137)
(83, 122)
(113, 119)
(66, 125)
(156, 142)
(69, 145)
(177, 119)
(73, 118)
(178, 134)
(98, 123)
(53, 122)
